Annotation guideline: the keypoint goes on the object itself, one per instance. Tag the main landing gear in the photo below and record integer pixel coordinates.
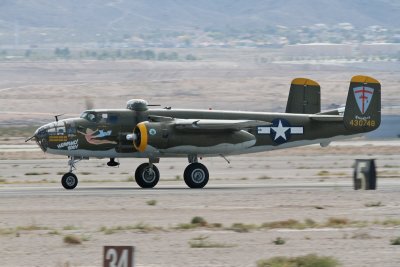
(195, 174)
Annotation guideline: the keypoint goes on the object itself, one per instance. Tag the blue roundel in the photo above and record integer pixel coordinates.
(280, 131)
(152, 131)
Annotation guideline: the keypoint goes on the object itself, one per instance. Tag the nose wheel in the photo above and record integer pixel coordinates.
(147, 175)
(196, 175)
(69, 180)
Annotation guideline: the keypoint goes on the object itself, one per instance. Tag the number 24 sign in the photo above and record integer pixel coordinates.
(118, 256)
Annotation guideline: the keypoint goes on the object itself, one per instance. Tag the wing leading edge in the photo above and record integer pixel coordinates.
(212, 125)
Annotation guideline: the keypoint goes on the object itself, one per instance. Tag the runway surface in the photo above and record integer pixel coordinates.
(125, 189)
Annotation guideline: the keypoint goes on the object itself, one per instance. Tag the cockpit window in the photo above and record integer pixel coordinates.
(100, 117)
(90, 116)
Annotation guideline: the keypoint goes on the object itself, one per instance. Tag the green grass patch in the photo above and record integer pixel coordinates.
(70, 227)
(196, 222)
(7, 231)
(323, 173)
(390, 166)
(185, 226)
(151, 202)
(36, 173)
(203, 242)
(395, 241)
(389, 222)
(215, 225)
(72, 239)
(362, 236)
(373, 204)
(199, 220)
(311, 260)
(54, 232)
(31, 227)
(141, 227)
(242, 228)
(287, 224)
(335, 222)
(279, 241)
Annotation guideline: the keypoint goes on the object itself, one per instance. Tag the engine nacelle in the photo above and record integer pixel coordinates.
(164, 137)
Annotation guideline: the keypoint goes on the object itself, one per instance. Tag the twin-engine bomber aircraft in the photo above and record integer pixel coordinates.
(155, 133)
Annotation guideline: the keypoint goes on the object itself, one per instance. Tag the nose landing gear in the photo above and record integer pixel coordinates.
(69, 180)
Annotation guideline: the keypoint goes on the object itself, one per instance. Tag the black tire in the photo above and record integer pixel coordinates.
(69, 181)
(196, 175)
(146, 176)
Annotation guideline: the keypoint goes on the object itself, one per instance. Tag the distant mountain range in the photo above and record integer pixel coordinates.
(124, 17)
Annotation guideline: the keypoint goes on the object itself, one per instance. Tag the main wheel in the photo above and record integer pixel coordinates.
(196, 175)
(69, 180)
(146, 176)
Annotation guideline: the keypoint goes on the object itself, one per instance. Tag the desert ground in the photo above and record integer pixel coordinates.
(303, 196)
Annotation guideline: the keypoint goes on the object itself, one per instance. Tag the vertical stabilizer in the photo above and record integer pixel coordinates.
(304, 97)
(363, 105)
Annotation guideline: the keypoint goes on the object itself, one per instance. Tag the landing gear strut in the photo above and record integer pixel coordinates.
(147, 175)
(69, 180)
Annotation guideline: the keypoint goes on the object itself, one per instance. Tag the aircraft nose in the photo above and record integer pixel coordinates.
(42, 138)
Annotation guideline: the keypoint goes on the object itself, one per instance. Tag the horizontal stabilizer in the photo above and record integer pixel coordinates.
(328, 118)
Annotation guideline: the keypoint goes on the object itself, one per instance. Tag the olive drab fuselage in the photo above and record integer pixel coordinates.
(106, 134)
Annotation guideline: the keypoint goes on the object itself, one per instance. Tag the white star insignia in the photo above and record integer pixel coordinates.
(280, 131)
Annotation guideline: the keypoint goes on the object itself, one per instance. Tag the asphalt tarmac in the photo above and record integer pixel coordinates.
(123, 189)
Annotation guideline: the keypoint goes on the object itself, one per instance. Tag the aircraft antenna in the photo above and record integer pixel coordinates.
(56, 116)
(222, 156)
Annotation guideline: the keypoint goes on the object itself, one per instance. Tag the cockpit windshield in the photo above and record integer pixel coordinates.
(100, 117)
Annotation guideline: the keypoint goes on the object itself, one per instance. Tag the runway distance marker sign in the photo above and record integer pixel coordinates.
(118, 256)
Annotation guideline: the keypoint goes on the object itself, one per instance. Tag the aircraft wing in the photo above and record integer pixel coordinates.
(155, 118)
(209, 124)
